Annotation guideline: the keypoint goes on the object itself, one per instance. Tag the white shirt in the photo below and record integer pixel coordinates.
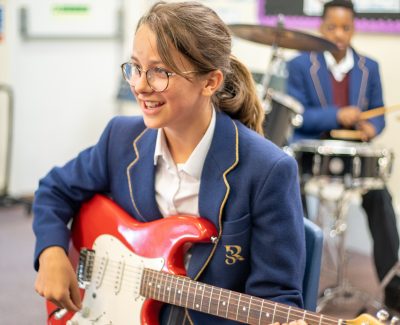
(339, 69)
(177, 185)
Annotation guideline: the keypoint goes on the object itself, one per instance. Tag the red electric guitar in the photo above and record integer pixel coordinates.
(128, 269)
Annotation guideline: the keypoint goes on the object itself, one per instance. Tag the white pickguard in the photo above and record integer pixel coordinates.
(112, 297)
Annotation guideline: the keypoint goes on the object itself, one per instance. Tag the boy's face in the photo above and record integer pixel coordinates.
(338, 27)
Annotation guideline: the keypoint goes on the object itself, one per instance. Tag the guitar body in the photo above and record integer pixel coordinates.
(126, 246)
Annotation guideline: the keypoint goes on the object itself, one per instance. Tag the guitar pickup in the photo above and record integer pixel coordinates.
(85, 267)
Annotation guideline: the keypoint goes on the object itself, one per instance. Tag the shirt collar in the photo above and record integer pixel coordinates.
(339, 69)
(194, 165)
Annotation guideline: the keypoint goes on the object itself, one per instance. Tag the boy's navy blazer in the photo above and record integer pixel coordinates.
(249, 190)
(310, 82)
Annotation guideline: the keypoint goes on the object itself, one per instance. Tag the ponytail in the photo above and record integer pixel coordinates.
(239, 98)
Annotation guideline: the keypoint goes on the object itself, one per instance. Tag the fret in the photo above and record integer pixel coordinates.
(164, 280)
(237, 309)
(158, 285)
(209, 302)
(288, 315)
(320, 319)
(219, 301)
(304, 314)
(170, 287)
(181, 292)
(273, 314)
(261, 312)
(248, 313)
(227, 304)
(195, 306)
(187, 295)
(202, 289)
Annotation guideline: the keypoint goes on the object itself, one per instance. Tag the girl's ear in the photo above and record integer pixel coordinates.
(214, 80)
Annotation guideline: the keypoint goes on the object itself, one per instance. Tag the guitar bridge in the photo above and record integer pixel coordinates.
(85, 267)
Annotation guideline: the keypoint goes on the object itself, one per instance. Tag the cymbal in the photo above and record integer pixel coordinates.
(281, 37)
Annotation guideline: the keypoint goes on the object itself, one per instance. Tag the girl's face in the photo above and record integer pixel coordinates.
(184, 104)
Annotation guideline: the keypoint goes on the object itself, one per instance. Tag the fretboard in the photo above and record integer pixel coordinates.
(184, 292)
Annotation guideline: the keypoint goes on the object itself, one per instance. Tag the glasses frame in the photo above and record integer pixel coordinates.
(169, 74)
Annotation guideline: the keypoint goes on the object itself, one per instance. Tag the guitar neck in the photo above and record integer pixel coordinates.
(184, 292)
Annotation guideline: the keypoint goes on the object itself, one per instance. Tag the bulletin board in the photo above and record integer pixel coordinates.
(381, 16)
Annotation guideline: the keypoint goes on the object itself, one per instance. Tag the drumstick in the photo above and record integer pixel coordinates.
(346, 134)
(378, 111)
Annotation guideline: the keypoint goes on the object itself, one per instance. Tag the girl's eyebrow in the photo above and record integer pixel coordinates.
(152, 62)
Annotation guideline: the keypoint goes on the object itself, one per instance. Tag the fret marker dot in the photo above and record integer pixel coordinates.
(267, 314)
(197, 306)
(201, 288)
(223, 303)
(179, 291)
(244, 308)
(168, 288)
(158, 286)
(150, 284)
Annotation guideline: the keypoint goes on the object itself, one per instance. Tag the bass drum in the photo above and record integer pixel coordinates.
(282, 114)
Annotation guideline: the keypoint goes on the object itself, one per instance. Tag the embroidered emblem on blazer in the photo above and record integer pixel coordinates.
(233, 254)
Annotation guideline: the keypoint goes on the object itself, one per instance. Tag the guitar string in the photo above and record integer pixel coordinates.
(113, 264)
(278, 313)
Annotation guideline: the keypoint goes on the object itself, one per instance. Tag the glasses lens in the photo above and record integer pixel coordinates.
(157, 79)
(131, 73)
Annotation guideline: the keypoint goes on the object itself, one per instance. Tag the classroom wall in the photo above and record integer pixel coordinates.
(69, 94)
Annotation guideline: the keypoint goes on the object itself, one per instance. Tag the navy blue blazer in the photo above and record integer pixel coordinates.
(249, 190)
(309, 82)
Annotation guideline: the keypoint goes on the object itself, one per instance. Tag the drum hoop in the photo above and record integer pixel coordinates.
(286, 100)
(338, 147)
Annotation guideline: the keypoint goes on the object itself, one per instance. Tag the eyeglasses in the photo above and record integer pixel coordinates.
(157, 78)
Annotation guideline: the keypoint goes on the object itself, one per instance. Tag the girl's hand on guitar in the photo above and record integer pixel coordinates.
(56, 280)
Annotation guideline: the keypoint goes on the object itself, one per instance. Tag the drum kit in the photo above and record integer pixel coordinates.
(356, 166)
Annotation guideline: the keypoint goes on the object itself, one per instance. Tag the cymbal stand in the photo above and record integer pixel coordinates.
(276, 63)
(343, 289)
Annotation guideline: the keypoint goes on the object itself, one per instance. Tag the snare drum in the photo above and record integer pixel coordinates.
(356, 164)
(282, 114)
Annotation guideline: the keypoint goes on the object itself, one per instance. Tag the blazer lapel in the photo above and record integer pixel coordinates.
(321, 79)
(222, 157)
(141, 173)
(358, 82)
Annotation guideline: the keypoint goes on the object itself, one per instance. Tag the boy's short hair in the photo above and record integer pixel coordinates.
(338, 3)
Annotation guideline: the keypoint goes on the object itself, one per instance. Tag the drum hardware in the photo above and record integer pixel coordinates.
(350, 169)
(282, 114)
(343, 291)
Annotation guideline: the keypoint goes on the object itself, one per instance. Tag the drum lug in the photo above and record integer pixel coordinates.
(356, 167)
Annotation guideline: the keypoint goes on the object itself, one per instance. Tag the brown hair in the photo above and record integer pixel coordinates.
(204, 39)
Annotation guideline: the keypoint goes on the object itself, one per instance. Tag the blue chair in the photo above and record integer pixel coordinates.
(314, 244)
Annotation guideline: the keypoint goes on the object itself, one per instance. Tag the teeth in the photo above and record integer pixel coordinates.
(152, 104)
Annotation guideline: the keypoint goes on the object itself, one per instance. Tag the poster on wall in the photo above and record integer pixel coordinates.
(372, 15)
(71, 18)
(1, 23)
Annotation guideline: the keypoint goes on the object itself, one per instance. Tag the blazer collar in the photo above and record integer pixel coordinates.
(322, 80)
(214, 187)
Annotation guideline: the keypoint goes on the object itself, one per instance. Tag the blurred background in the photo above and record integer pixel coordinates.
(61, 82)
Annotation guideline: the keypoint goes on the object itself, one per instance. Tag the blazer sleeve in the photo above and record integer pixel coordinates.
(278, 244)
(375, 97)
(63, 189)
